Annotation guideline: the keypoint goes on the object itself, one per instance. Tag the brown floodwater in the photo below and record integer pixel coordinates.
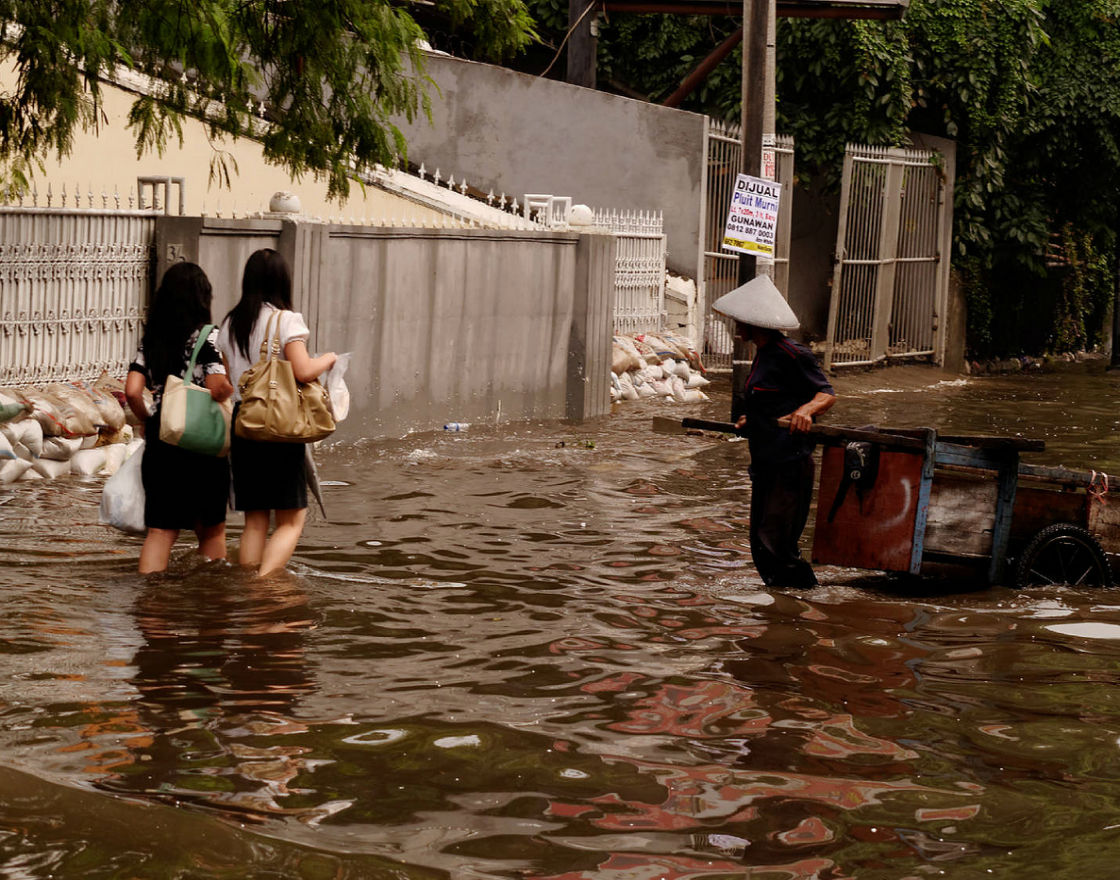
(540, 651)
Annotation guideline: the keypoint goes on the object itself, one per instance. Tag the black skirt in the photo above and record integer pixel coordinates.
(267, 476)
(182, 490)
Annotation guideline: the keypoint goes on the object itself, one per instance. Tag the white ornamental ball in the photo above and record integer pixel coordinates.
(580, 215)
(284, 203)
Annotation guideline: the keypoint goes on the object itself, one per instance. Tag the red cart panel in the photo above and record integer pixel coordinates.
(877, 530)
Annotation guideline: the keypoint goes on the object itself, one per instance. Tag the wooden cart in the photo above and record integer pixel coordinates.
(915, 501)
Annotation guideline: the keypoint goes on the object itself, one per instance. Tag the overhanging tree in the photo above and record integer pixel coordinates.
(318, 82)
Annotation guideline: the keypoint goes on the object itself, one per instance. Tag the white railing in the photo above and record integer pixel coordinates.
(639, 287)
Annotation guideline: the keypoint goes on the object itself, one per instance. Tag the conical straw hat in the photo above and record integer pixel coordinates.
(759, 303)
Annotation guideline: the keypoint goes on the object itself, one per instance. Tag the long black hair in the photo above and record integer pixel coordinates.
(180, 306)
(267, 279)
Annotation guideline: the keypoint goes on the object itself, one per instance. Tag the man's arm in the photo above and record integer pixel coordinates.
(801, 419)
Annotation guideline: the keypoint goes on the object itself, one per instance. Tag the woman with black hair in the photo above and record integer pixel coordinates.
(183, 490)
(268, 477)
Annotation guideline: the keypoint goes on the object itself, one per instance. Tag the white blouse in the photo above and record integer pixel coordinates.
(292, 326)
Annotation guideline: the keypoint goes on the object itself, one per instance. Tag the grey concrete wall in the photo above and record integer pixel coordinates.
(518, 134)
(443, 324)
(221, 247)
(589, 344)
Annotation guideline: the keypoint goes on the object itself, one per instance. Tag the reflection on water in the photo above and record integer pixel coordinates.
(540, 651)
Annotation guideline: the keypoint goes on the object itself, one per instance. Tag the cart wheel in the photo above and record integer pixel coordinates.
(1064, 554)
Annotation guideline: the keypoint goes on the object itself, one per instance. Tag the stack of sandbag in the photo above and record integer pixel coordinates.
(76, 428)
(664, 365)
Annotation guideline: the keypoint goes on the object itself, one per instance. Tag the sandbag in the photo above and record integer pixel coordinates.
(631, 359)
(78, 400)
(12, 469)
(57, 417)
(123, 435)
(646, 352)
(9, 411)
(678, 389)
(696, 380)
(620, 360)
(694, 396)
(49, 469)
(111, 385)
(626, 387)
(25, 434)
(662, 348)
(87, 462)
(60, 448)
(685, 346)
(645, 389)
(108, 407)
(114, 457)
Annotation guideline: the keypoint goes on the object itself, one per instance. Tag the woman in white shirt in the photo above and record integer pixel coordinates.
(268, 477)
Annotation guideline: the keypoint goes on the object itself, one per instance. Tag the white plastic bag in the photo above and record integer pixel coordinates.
(122, 499)
(336, 387)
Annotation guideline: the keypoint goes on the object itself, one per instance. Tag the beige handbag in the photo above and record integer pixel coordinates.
(277, 408)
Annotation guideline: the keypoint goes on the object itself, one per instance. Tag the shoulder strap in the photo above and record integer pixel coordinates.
(267, 340)
(279, 314)
(202, 334)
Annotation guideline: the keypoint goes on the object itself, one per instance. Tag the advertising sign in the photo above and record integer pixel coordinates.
(752, 220)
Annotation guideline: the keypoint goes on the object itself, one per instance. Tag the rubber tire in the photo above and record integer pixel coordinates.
(1058, 548)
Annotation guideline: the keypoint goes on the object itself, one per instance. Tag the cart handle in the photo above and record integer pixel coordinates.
(825, 433)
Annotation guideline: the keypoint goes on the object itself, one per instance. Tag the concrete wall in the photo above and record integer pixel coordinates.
(515, 133)
(443, 324)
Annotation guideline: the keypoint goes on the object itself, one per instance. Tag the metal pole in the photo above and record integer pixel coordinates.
(756, 19)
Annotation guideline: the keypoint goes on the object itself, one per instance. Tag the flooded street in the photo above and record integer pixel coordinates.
(540, 651)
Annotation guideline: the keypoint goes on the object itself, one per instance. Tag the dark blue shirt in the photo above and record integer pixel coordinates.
(785, 375)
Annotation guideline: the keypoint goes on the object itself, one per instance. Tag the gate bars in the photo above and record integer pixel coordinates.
(73, 290)
(890, 278)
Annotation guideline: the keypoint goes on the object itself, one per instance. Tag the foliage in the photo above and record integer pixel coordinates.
(1085, 293)
(1028, 89)
(317, 81)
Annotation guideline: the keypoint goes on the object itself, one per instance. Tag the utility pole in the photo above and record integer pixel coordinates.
(756, 26)
(582, 43)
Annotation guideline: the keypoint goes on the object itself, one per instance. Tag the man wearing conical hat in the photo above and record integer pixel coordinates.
(786, 382)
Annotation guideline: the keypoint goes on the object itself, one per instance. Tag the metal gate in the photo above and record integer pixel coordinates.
(73, 289)
(890, 281)
(721, 268)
